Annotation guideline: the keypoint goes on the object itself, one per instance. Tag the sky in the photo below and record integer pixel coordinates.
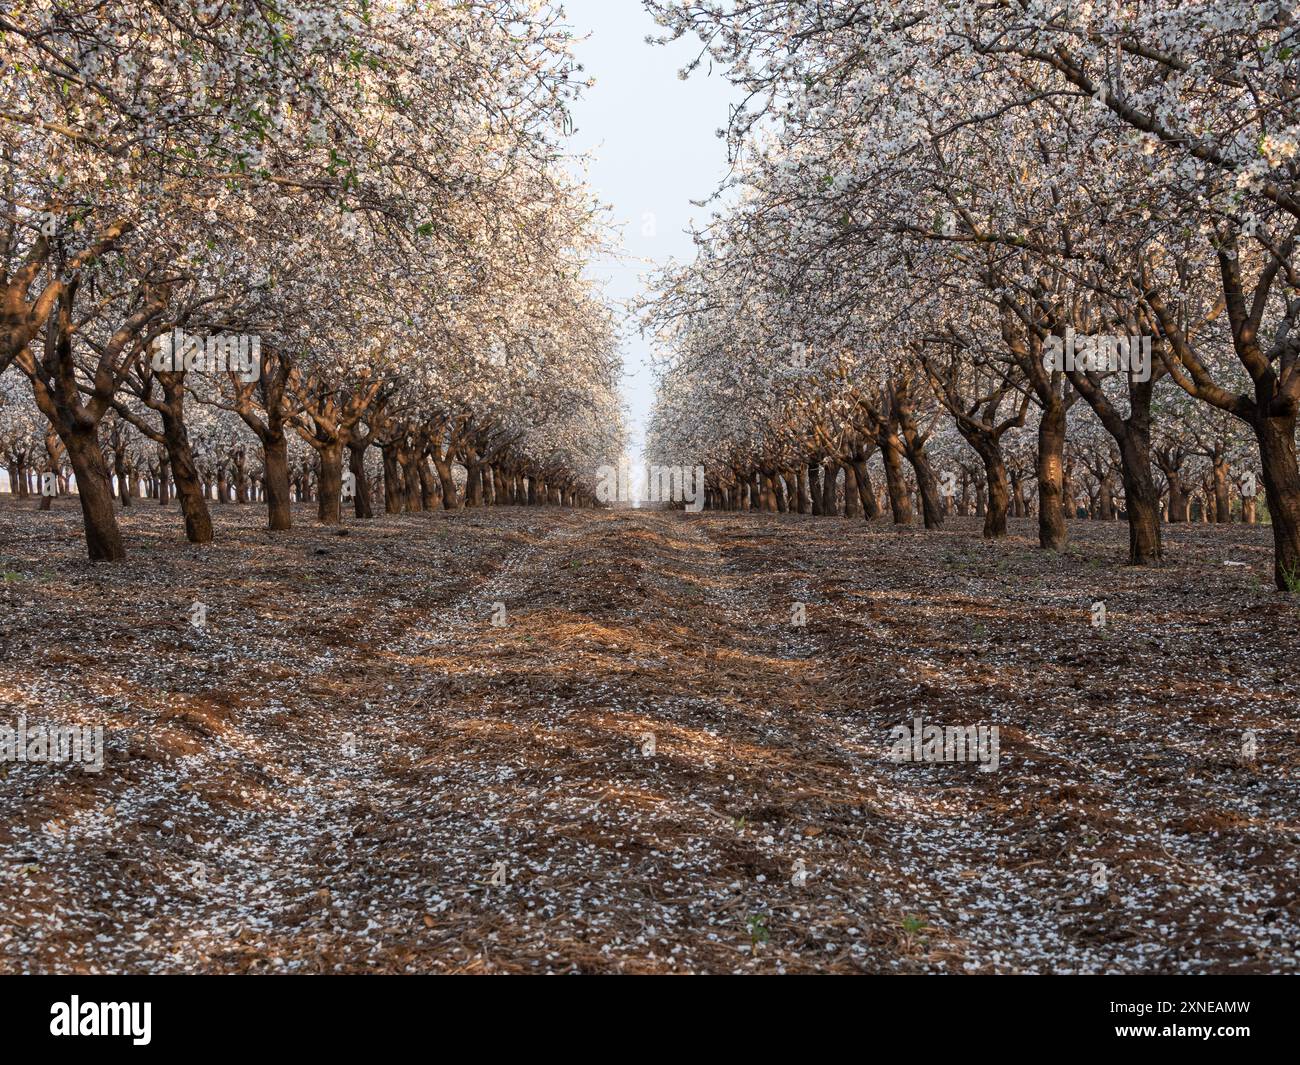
(654, 148)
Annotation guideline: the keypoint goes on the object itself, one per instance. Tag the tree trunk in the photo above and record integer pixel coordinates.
(103, 538)
(995, 475)
(927, 487)
(189, 489)
(899, 502)
(450, 497)
(357, 466)
(1222, 499)
(830, 502)
(914, 448)
(1277, 452)
(275, 462)
(329, 484)
(392, 480)
(412, 498)
(867, 494)
(1177, 498)
(474, 484)
(428, 490)
(1106, 497)
(1141, 499)
(852, 497)
(241, 477)
(123, 479)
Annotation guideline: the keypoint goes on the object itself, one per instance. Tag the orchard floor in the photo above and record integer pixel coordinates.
(329, 776)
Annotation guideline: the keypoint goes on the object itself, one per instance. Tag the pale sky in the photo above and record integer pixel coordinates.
(652, 138)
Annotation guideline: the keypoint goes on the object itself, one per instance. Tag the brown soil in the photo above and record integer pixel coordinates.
(325, 779)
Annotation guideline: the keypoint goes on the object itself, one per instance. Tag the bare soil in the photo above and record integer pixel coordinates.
(329, 776)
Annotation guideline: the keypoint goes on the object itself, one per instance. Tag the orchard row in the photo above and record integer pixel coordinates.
(1048, 250)
(247, 244)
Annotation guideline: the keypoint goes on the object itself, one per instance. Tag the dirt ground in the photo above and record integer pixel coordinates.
(658, 769)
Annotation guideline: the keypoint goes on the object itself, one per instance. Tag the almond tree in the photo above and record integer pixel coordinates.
(1195, 95)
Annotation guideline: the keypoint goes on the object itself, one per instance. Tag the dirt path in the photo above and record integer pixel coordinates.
(659, 770)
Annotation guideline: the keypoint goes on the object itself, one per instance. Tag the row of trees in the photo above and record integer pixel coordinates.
(930, 205)
(352, 223)
(230, 471)
(1202, 477)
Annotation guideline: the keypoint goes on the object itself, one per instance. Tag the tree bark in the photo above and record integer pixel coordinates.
(103, 538)
(275, 461)
(392, 479)
(830, 500)
(995, 476)
(1222, 498)
(867, 493)
(451, 498)
(899, 501)
(357, 465)
(1141, 499)
(189, 489)
(1277, 452)
(329, 483)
